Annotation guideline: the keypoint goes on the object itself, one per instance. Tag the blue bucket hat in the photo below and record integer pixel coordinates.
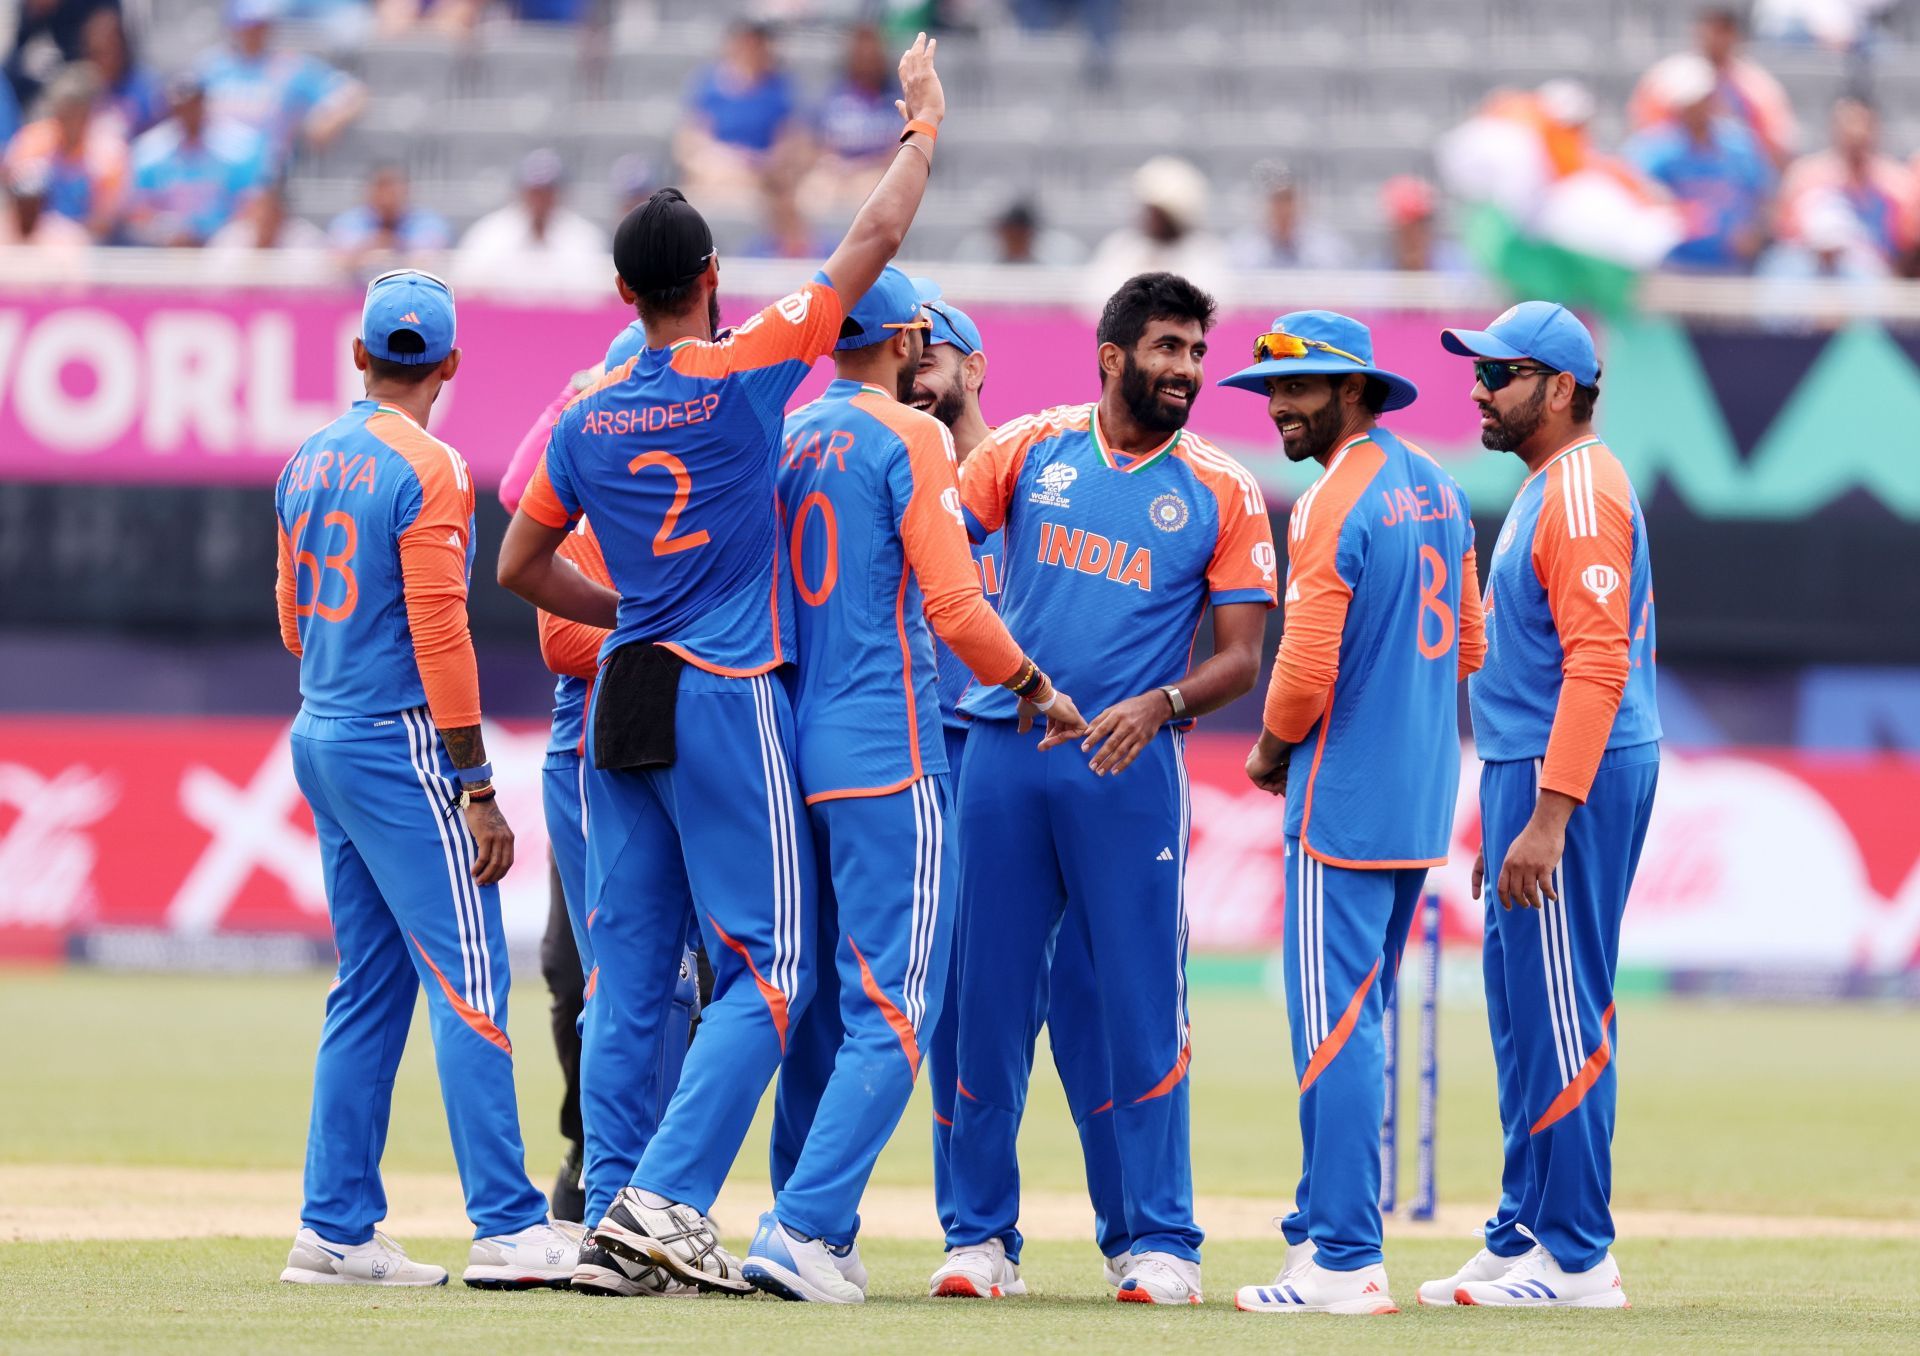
(1549, 334)
(951, 325)
(892, 303)
(1333, 345)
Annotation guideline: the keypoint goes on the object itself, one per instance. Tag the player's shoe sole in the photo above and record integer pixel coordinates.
(1616, 1299)
(301, 1276)
(776, 1280)
(965, 1287)
(1365, 1306)
(1142, 1297)
(647, 1251)
(511, 1278)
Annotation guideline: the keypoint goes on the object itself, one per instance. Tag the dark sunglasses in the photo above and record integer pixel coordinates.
(1494, 373)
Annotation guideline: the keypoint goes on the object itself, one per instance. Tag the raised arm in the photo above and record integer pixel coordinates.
(880, 226)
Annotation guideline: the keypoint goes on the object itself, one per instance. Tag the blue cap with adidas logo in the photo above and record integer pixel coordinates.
(408, 318)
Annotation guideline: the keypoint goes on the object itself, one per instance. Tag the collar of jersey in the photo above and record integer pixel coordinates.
(1568, 450)
(381, 407)
(1134, 464)
(846, 388)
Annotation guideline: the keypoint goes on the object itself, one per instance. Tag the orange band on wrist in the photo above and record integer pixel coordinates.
(925, 129)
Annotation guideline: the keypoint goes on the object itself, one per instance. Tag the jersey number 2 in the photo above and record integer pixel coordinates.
(664, 542)
(340, 562)
(1431, 601)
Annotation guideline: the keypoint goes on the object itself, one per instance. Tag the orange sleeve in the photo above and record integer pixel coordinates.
(285, 594)
(540, 503)
(988, 474)
(933, 534)
(1308, 661)
(1243, 566)
(433, 572)
(571, 647)
(1583, 556)
(1473, 617)
(800, 327)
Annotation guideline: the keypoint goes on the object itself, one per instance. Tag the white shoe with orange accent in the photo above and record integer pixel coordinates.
(1485, 1266)
(1160, 1278)
(1310, 1288)
(977, 1271)
(1536, 1281)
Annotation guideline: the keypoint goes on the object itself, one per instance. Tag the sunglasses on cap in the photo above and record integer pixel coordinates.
(953, 329)
(1496, 373)
(420, 273)
(1280, 344)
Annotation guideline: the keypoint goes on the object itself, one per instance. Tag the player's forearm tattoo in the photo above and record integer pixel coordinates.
(465, 746)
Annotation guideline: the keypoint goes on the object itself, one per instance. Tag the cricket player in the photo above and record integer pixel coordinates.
(1361, 734)
(691, 796)
(880, 565)
(1564, 718)
(609, 1123)
(1120, 529)
(953, 370)
(376, 549)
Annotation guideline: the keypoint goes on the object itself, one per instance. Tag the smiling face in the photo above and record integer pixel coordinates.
(1160, 376)
(939, 386)
(1308, 413)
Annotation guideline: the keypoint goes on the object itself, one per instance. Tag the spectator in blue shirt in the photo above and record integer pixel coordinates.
(131, 95)
(193, 172)
(1715, 168)
(387, 230)
(739, 118)
(289, 98)
(856, 128)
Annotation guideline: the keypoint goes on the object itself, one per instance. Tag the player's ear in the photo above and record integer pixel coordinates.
(449, 365)
(1113, 360)
(627, 294)
(973, 372)
(1561, 396)
(360, 359)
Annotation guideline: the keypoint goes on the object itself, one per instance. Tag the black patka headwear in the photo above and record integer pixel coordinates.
(662, 244)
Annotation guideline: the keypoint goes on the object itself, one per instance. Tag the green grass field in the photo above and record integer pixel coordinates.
(1742, 1111)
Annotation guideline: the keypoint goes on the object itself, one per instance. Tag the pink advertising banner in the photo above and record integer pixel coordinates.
(191, 387)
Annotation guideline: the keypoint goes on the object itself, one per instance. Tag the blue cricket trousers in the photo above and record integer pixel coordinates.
(1052, 847)
(621, 1107)
(721, 835)
(406, 916)
(1068, 1004)
(1549, 975)
(886, 907)
(1346, 930)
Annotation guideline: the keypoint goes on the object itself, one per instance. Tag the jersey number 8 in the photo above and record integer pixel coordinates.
(1432, 601)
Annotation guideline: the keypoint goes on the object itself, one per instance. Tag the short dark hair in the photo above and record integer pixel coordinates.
(402, 374)
(1583, 398)
(1147, 297)
(669, 301)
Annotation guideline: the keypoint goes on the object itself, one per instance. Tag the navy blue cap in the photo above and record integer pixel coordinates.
(890, 304)
(1549, 334)
(408, 300)
(1337, 345)
(951, 325)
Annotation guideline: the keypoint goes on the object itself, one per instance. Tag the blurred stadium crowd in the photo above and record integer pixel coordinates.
(1225, 135)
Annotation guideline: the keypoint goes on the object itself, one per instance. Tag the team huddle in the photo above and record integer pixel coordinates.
(878, 712)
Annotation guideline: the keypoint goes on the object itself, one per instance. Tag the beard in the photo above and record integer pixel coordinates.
(713, 312)
(1509, 431)
(1141, 396)
(947, 407)
(1317, 439)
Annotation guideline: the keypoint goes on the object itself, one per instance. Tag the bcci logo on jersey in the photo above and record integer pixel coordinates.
(1054, 481)
(1168, 512)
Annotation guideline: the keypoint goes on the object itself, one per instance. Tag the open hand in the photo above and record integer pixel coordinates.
(925, 100)
(1119, 733)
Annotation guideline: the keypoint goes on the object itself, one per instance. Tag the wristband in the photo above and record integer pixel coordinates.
(1047, 705)
(470, 775)
(1175, 700)
(923, 127)
(469, 796)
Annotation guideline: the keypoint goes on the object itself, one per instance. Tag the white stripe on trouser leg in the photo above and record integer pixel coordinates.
(929, 830)
(1300, 927)
(1569, 996)
(467, 851)
(936, 850)
(775, 837)
(922, 831)
(1549, 973)
(782, 831)
(419, 754)
(1320, 948)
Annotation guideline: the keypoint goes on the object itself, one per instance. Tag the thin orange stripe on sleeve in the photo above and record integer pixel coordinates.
(571, 647)
(1473, 616)
(285, 594)
(1583, 556)
(433, 571)
(990, 471)
(934, 538)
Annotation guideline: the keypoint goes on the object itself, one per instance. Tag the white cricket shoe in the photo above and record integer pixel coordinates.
(977, 1271)
(1310, 1288)
(1160, 1278)
(782, 1263)
(672, 1236)
(847, 1261)
(1115, 1269)
(1485, 1266)
(542, 1256)
(601, 1272)
(1536, 1281)
(379, 1261)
